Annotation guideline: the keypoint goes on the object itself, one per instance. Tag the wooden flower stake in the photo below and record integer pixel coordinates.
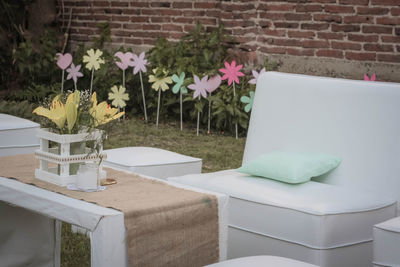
(212, 84)
(91, 81)
(179, 87)
(63, 61)
(158, 106)
(180, 98)
(198, 120)
(144, 99)
(62, 81)
(234, 95)
(209, 115)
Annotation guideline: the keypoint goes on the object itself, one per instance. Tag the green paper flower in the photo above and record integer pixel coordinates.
(248, 100)
(179, 83)
(118, 96)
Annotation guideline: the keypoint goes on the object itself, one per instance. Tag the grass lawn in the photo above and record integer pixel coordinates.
(218, 152)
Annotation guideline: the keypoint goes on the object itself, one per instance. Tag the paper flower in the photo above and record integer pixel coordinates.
(93, 59)
(256, 75)
(103, 113)
(118, 96)
(63, 61)
(139, 63)
(74, 73)
(231, 72)
(160, 82)
(248, 100)
(199, 86)
(125, 60)
(213, 83)
(179, 80)
(372, 79)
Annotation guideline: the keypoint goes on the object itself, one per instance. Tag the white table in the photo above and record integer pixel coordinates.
(106, 226)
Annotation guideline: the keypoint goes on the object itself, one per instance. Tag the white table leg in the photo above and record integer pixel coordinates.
(108, 243)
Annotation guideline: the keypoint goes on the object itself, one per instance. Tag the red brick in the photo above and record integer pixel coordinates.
(150, 41)
(329, 53)
(264, 23)
(139, 4)
(274, 32)
(205, 5)
(301, 34)
(193, 13)
(160, 4)
(390, 39)
(139, 19)
(160, 19)
(182, 5)
(100, 3)
(389, 58)
(176, 35)
(397, 31)
(207, 21)
(171, 27)
(361, 56)
(308, 8)
(237, 7)
(327, 18)
(330, 35)
(120, 18)
(286, 42)
(133, 26)
(274, 16)
(354, 2)
(345, 28)
(296, 16)
(345, 45)
(131, 11)
(323, 1)
(339, 9)
(358, 19)
(314, 26)
(300, 52)
(377, 29)
(137, 41)
(183, 20)
(378, 48)
(388, 21)
(363, 37)
(398, 48)
(395, 11)
(118, 4)
(386, 2)
(372, 10)
(238, 23)
(281, 7)
(315, 44)
(151, 27)
(273, 50)
(290, 25)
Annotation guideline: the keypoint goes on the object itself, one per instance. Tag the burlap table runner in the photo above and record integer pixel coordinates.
(166, 226)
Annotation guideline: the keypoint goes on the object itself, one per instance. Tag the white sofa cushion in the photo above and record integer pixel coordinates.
(152, 161)
(17, 135)
(313, 214)
(262, 261)
(387, 243)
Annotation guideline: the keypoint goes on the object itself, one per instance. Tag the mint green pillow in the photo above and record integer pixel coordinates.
(291, 168)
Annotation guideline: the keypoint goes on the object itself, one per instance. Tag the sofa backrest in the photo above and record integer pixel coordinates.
(356, 120)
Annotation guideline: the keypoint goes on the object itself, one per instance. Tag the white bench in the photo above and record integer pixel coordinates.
(327, 221)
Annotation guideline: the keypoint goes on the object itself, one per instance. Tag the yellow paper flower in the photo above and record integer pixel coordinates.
(160, 82)
(93, 59)
(103, 113)
(59, 113)
(118, 96)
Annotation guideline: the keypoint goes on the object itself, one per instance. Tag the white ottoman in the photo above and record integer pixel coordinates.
(152, 161)
(17, 136)
(387, 243)
(322, 224)
(262, 261)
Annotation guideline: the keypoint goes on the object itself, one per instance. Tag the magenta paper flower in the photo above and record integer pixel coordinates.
(199, 86)
(63, 61)
(74, 73)
(213, 83)
(139, 63)
(232, 72)
(256, 75)
(125, 60)
(372, 79)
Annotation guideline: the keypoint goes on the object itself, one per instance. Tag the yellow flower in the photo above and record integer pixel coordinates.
(160, 82)
(118, 96)
(93, 59)
(103, 113)
(59, 113)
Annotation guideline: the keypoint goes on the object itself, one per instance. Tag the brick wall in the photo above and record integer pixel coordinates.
(357, 30)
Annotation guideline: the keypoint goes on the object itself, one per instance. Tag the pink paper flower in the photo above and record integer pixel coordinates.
(232, 72)
(74, 73)
(139, 63)
(125, 60)
(256, 75)
(213, 83)
(199, 86)
(372, 79)
(63, 61)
